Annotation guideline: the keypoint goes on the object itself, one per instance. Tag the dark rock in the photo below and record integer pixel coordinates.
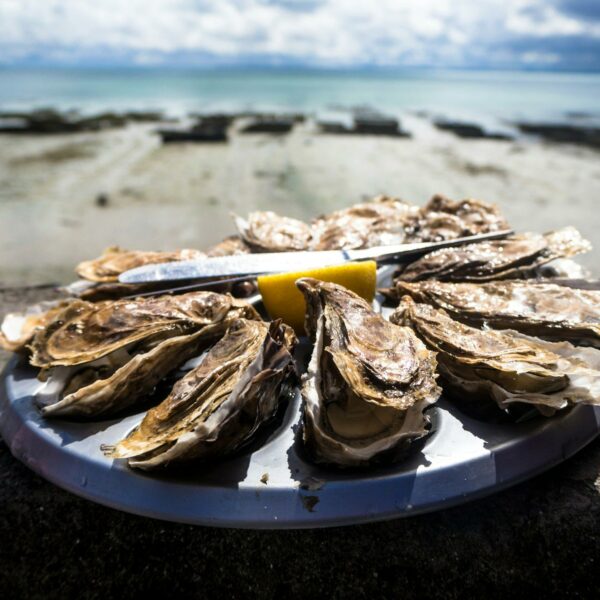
(278, 125)
(42, 121)
(333, 127)
(470, 130)
(144, 116)
(563, 133)
(378, 125)
(211, 128)
(51, 121)
(366, 124)
(102, 200)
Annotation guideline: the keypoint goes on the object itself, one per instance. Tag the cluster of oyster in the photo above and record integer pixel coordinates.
(493, 323)
(379, 222)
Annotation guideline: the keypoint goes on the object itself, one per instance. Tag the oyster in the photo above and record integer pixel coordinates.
(368, 381)
(444, 219)
(230, 246)
(84, 332)
(517, 257)
(505, 367)
(220, 404)
(380, 221)
(535, 308)
(116, 381)
(269, 232)
(18, 329)
(115, 261)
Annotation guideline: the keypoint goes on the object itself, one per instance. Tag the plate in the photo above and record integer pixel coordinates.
(270, 484)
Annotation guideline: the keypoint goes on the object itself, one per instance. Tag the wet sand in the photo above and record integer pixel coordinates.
(164, 197)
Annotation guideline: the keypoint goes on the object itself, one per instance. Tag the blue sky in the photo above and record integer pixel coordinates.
(548, 34)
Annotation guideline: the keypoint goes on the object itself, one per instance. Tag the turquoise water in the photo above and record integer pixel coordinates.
(472, 94)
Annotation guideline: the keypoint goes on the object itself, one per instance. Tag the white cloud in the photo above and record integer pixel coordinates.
(324, 32)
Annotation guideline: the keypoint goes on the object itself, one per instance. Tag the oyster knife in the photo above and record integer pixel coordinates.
(280, 262)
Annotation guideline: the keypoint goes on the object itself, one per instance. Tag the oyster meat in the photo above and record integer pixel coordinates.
(504, 367)
(381, 221)
(115, 261)
(517, 257)
(537, 308)
(270, 232)
(220, 404)
(368, 381)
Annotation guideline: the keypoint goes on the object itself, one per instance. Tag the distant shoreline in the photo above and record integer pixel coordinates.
(579, 128)
(455, 94)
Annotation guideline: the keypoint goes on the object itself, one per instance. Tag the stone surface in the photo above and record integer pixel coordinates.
(540, 537)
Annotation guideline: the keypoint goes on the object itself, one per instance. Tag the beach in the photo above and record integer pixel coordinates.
(64, 198)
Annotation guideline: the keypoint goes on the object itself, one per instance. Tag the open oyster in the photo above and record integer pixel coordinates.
(101, 275)
(368, 381)
(100, 359)
(379, 222)
(115, 261)
(504, 367)
(269, 232)
(220, 404)
(444, 219)
(517, 257)
(18, 329)
(84, 331)
(536, 308)
(121, 379)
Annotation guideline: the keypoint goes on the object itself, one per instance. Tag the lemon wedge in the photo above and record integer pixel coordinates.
(283, 300)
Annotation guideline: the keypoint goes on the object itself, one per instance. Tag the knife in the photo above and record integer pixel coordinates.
(251, 265)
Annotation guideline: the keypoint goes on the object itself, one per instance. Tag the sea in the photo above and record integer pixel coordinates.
(481, 96)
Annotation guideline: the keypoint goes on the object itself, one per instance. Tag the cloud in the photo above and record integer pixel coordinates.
(333, 33)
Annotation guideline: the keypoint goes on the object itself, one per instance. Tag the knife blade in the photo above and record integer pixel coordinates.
(252, 265)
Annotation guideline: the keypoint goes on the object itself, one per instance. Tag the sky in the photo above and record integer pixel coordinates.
(527, 34)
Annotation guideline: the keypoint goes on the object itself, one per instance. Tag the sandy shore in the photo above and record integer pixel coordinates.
(164, 197)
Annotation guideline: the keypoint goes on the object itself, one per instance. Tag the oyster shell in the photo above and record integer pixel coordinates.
(444, 219)
(230, 246)
(115, 261)
(270, 232)
(517, 257)
(380, 221)
(368, 381)
(18, 329)
(504, 367)
(535, 308)
(121, 379)
(220, 404)
(84, 332)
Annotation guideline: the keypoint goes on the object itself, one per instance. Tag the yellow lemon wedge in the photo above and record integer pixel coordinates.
(283, 300)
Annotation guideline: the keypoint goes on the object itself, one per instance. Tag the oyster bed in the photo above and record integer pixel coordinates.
(219, 390)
